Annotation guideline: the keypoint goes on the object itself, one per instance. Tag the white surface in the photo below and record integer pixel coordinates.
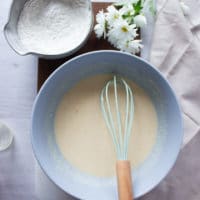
(17, 92)
(18, 170)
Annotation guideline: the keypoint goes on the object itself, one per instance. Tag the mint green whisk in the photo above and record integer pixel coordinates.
(120, 132)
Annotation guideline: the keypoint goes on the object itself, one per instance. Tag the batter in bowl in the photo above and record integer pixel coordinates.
(82, 135)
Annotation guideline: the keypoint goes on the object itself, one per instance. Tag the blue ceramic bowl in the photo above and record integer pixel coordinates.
(152, 170)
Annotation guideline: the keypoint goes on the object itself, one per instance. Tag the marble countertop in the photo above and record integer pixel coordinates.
(20, 177)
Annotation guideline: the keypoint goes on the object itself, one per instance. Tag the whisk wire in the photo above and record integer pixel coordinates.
(118, 117)
(120, 140)
(126, 117)
(131, 115)
(108, 118)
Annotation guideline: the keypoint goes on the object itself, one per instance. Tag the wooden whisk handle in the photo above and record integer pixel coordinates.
(124, 180)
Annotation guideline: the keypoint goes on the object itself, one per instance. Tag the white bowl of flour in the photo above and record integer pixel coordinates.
(49, 28)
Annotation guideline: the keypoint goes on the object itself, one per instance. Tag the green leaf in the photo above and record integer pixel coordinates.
(138, 7)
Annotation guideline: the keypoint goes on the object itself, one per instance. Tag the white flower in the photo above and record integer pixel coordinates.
(113, 15)
(127, 9)
(100, 27)
(140, 20)
(184, 8)
(122, 31)
(120, 26)
(112, 39)
(133, 46)
(136, 46)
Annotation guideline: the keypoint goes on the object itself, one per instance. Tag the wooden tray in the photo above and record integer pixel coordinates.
(46, 67)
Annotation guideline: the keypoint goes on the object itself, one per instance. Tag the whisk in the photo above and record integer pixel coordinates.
(119, 132)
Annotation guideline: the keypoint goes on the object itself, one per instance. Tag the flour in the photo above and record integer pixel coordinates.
(53, 26)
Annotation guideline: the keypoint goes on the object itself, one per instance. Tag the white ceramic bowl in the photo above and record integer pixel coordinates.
(152, 170)
(11, 33)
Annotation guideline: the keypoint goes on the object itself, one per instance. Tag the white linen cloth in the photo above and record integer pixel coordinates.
(175, 51)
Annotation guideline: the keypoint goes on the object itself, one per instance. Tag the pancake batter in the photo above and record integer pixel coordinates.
(82, 135)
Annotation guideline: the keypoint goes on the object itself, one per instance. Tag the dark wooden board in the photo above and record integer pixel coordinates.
(46, 67)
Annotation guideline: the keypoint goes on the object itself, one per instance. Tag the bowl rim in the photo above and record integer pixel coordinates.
(179, 144)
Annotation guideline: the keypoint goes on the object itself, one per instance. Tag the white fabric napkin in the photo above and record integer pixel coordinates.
(175, 51)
